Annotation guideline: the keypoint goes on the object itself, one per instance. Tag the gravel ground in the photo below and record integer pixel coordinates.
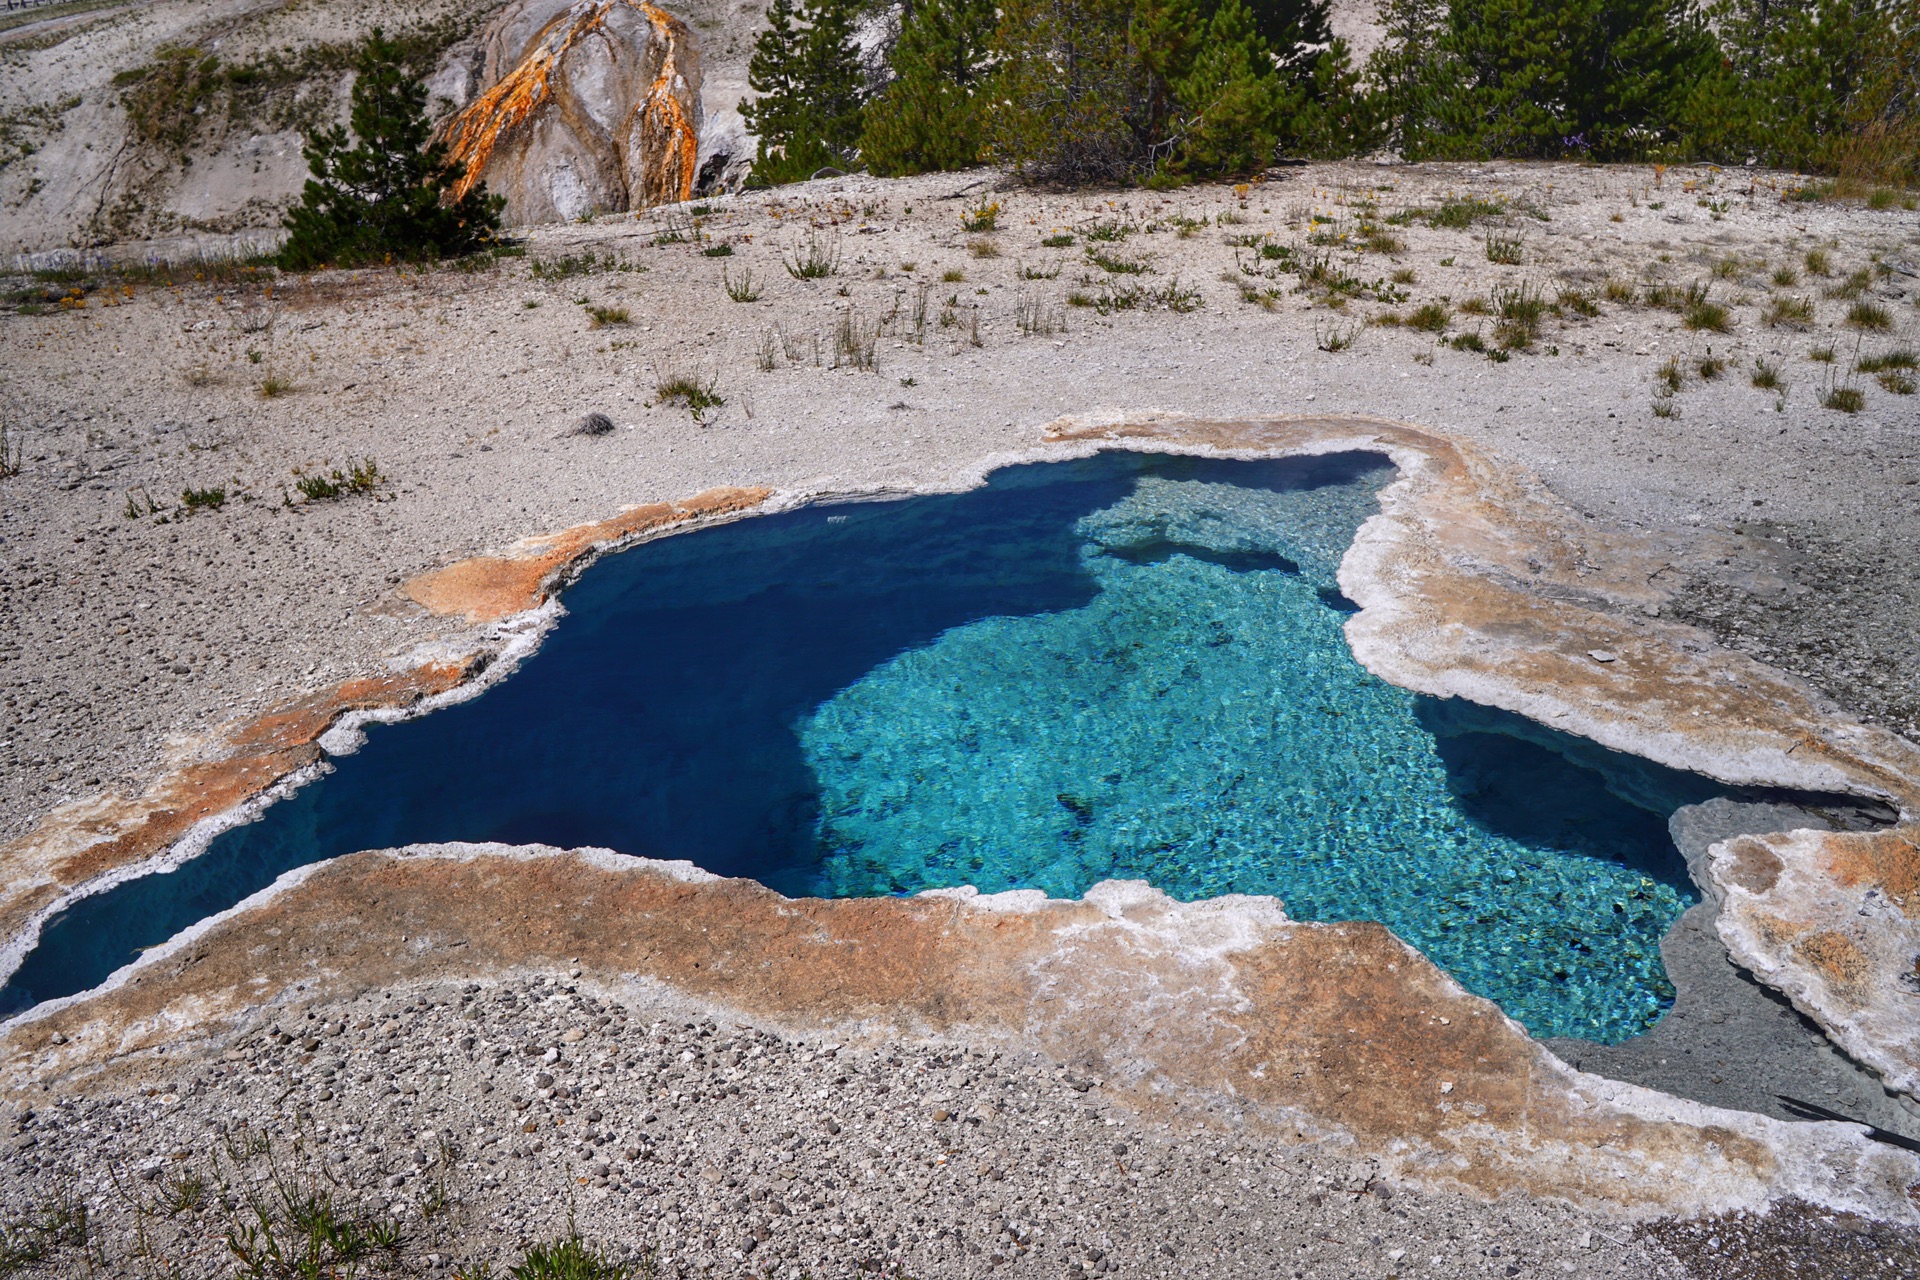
(129, 623)
(484, 1121)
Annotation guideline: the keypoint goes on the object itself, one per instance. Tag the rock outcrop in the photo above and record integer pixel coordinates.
(585, 107)
(1223, 1008)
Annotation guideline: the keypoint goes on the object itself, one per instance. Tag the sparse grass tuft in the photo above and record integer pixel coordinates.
(1701, 313)
(1579, 302)
(1899, 383)
(1519, 309)
(1790, 313)
(1766, 376)
(1711, 366)
(1113, 264)
(1823, 354)
(1036, 319)
(854, 340)
(1844, 399)
(1728, 268)
(743, 289)
(1819, 262)
(983, 248)
(1475, 306)
(1108, 231)
(692, 393)
(599, 317)
(816, 258)
(1505, 250)
(273, 386)
(1621, 291)
(1900, 358)
(1404, 275)
(569, 1259)
(359, 477)
(1670, 375)
(1784, 276)
(1471, 341)
(1058, 240)
(1430, 317)
(1869, 315)
(1460, 212)
(1335, 337)
(573, 264)
(1856, 283)
(953, 275)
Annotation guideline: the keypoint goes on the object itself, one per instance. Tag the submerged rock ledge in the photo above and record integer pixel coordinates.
(1473, 582)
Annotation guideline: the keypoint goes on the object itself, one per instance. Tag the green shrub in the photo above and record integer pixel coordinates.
(390, 195)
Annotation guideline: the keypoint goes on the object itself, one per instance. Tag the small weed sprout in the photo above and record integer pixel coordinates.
(1335, 337)
(572, 264)
(203, 499)
(983, 218)
(1113, 264)
(718, 251)
(599, 317)
(743, 289)
(698, 397)
(12, 451)
(814, 259)
(1108, 231)
(1265, 299)
(1459, 213)
(768, 357)
(1670, 375)
(1058, 240)
(359, 477)
(1035, 273)
(1766, 375)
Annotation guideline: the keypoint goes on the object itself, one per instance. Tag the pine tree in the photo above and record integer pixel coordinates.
(932, 115)
(1233, 97)
(1543, 78)
(809, 85)
(387, 195)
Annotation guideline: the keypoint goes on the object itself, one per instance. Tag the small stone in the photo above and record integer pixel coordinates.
(573, 1036)
(1602, 655)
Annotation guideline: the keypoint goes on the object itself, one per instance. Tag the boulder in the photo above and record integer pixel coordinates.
(585, 106)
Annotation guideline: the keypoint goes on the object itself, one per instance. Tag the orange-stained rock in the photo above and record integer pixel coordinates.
(587, 106)
(1316, 1029)
(101, 834)
(489, 588)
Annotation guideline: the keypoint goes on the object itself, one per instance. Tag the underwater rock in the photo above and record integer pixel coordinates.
(585, 107)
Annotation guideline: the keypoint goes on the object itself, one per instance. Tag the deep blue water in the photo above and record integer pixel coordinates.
(1130, 666)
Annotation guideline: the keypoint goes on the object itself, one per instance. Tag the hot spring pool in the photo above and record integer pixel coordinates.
(1131, 666)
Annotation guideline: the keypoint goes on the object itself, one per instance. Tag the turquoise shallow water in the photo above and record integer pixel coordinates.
(1127, 666)
(1201, 724)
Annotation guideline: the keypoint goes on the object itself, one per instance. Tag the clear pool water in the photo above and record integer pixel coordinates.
(1131, 666)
